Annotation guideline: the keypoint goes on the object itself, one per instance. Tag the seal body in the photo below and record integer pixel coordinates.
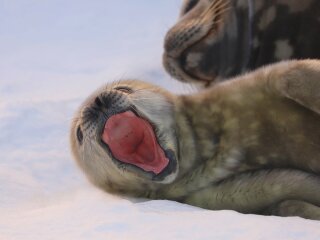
(218, 39)
(250, 144)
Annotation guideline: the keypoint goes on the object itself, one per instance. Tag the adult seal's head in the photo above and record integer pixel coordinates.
(123, 137)
(217, 39)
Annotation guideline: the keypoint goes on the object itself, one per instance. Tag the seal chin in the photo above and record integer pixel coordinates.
(175, 66)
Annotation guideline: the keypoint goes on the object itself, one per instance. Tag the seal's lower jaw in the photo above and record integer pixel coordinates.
(176, 67)
(131, 140)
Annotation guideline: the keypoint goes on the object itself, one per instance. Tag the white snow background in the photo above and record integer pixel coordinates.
(53, 53)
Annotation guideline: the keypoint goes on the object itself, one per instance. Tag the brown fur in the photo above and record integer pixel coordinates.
(251, 144)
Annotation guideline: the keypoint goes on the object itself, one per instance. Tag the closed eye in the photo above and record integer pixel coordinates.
(124, 89)
(79, 135)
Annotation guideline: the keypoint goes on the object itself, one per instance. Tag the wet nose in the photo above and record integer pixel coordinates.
(106, 100)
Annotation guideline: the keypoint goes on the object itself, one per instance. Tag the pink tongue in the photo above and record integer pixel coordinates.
(131, 140)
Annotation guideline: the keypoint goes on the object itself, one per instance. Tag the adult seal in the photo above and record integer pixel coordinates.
(217, 39)
(251, 144)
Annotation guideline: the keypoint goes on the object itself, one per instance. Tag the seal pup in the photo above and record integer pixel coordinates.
(218, 39)
(251, 144)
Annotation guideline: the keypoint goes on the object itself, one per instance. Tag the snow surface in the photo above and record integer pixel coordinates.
(53, 54)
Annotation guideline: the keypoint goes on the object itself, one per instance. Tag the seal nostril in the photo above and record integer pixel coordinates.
(189, 4)
(98, 102)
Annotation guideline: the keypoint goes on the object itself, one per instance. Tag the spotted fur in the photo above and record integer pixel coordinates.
(251, 144)
(218, 39)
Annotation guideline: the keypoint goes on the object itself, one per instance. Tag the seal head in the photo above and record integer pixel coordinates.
(118, 135)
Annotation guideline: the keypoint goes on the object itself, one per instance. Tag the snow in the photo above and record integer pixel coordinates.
(53, 54)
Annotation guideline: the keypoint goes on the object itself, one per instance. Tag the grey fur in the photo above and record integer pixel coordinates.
(217, 39)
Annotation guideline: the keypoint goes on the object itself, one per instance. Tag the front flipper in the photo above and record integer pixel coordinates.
(257, 191)
(297, 80)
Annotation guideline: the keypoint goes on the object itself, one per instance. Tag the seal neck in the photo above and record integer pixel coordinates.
(199, 126)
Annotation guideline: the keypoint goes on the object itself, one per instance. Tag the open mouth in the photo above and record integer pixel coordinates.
(132, 140)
